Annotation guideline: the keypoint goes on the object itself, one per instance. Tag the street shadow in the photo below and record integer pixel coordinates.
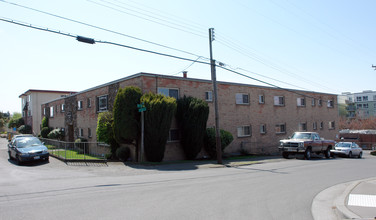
(181, 166)
(29, 163)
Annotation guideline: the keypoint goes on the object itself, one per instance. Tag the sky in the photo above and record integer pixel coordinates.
(313, 45)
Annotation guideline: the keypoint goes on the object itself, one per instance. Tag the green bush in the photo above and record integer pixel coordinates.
(210, 141)
(44, 122)
(105, 131)
(81, 145)
(16, 122)
(126, 123)
(56, 134)
(123, 153)
(44, 132)
(192, 115)
(25, 129)
(158, 116)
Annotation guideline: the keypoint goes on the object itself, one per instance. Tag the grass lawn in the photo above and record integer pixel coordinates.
(70, 154)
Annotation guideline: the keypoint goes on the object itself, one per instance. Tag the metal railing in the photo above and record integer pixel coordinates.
(77, 151)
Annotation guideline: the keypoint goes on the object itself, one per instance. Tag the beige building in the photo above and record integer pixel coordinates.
(31, 100)
(257, 116)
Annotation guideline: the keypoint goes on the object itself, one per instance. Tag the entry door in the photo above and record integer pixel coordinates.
(70, 133)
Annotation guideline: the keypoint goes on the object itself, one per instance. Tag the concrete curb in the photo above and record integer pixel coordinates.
(340, 201)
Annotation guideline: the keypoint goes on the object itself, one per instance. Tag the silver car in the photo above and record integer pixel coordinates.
(348, 149)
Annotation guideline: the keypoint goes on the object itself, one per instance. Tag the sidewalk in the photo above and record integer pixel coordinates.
(353, 200)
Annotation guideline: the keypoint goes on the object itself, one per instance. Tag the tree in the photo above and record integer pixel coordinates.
(105, 131)
(45, 122)
(126, 116)
(192, 115)
(210, 141)
(158, 116)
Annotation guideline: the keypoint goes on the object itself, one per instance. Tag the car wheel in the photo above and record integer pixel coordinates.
(18, 161)
(360, 155)
(350, 154)
(10, 157)
(327, 153)
(285, 155)
(307, 154)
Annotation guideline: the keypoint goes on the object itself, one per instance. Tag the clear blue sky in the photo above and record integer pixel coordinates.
(320, 45)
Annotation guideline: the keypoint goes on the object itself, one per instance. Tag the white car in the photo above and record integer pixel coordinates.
(348, 149)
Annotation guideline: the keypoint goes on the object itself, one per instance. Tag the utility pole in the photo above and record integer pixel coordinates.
(214, 80)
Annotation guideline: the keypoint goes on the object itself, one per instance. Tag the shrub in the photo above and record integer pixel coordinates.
(56, 134)
(16, 123)
(192, 116)
(25, 129)
(105, 131)
(81, 145)
(158, 116)
(123, 153)
(126, 116)
(210, 141)
(44, 122)
(44, 132)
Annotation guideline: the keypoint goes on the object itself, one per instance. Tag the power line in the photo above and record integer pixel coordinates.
(97, 27)
(92, 41)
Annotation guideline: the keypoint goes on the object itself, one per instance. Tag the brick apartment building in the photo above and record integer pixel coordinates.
(257, 116)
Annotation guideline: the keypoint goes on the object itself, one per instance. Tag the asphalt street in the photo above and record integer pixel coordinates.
(271, 189)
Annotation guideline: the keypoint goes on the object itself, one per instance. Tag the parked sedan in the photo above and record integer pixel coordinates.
(27, 149)
(348, 149)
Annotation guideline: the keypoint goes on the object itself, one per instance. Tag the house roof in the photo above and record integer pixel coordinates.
(46, 91)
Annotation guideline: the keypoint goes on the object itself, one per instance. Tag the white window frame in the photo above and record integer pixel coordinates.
(359, 98)
(79, 105)
(314, 125)
(80, 132)
(241, 97)
(261, 99)
(279, 130)
(303, 126)
(51, 112)
(209, 96)
(44, 111)
(331, 125)
(365, 98)
(89, 132)
(244, 131)
(330, 104)
(263, 129)
(313, 102)
(365, 105)
(62, 107)
(320, 102)
(88, 102)
(321, 125)
(279, 101)
(99, 108)
(300, 102)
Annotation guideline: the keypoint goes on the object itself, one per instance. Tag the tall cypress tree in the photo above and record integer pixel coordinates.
(192, 115)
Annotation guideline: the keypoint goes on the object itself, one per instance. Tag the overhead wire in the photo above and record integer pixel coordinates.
(97, 27)
(91, 40)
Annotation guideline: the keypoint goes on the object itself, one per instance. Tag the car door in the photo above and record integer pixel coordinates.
(355, 149)
(12, 149)
(316, 145)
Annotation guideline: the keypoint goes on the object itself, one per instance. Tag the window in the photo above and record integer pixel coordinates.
(261, 99)
(89, 132)
(79, 105)
(279, 100)
(374, 105)
(314, 125)
(359, 105)
(80, 132)
(102, 103)
(51, 111)
(358, 98)
(44, 111)
(173, 135)
(244, 131)
(365, 98)
(263, 129)
(365, 105)
(330, 103)
(169, 92)
(209, 96)
(321, 125)
(300, 101)
(242, 98)
(374, 97)
(303, 126)
(62, 107)
(331, 125)
(280, 128)
(57, 108)
(320, 102)
(313, 102)
(88, 102)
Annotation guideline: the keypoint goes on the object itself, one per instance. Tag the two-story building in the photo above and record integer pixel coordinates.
(257, 116)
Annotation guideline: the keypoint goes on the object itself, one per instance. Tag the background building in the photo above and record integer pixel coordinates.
(361, 104)
(258, 117)
(31, 100)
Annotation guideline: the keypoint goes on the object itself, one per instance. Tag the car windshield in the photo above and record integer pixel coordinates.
(301, 136)
(343, 144)
(28, 142)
